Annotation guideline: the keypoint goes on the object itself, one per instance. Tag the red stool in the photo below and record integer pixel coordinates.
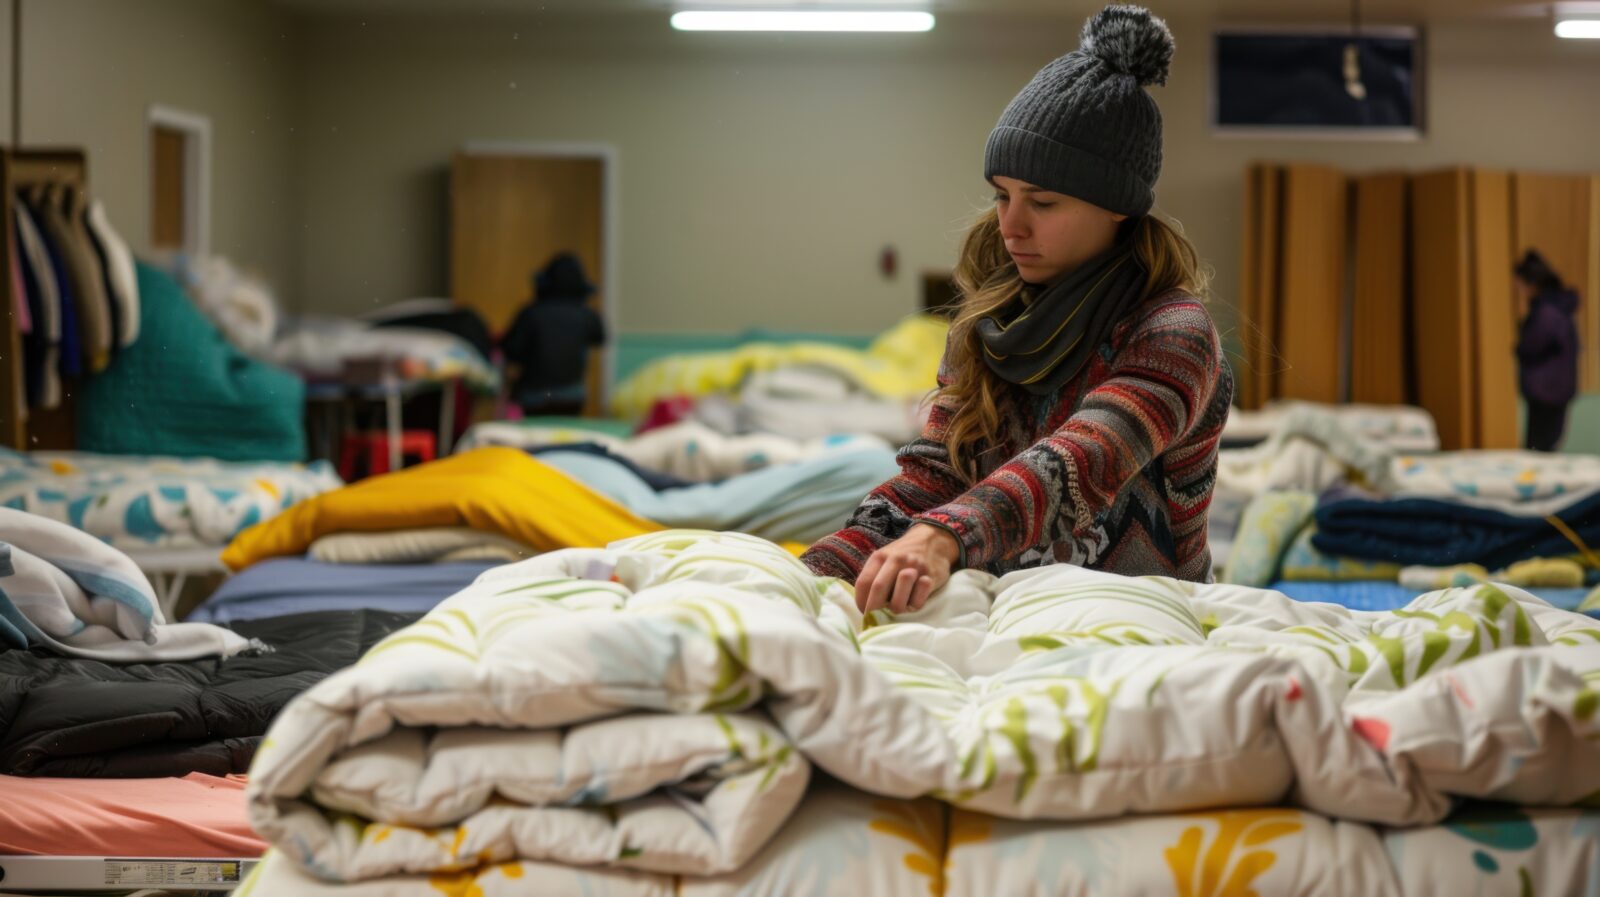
(419, 444)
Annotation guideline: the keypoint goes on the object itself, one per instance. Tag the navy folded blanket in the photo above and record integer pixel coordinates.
(1435, 533)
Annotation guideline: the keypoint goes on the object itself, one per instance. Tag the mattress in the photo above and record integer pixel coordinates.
(91, 834)
(320, 346)
(281, 586)
(140, 503)
(1364, 595)
(193, 816)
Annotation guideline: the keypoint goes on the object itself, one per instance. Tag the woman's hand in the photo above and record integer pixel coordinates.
(902, 574)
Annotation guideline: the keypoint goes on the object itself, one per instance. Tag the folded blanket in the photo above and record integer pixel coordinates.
(1503, 480)
(653, 478)
(1428, 532)
(690, 450)
(279, 587)
(62, 716)
(138, 502)
(427, 545)
(1308, 452)
(766, 404)
(843, 843)
(901, 363)
(1401, 428)
(320, 345)
(497, 490)
(798, 502)
(65, 591)
(1552, 573)
(656, 707)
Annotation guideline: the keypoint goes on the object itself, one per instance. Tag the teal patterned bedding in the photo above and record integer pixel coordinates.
(137, 502)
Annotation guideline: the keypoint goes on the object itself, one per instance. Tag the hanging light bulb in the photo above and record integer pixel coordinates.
(1352, 56)
(1352, 72)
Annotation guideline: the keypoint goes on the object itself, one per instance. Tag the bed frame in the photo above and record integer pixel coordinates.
(20, 428)
(113, 874)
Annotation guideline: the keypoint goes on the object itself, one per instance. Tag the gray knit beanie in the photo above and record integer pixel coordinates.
(1084, 126)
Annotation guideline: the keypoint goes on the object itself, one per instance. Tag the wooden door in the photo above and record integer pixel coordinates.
(509, 214)
(1555, 214)
(1379, 298)
(1310, 314)
(168, 162)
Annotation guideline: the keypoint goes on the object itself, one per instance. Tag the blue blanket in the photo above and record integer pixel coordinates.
(283, 586)
(798, 502)
(1432, 533)
(1358, 595)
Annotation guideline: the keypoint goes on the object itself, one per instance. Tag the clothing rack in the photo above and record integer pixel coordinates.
(21, 428)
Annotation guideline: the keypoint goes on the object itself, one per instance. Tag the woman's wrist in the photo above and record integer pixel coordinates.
(943, 541)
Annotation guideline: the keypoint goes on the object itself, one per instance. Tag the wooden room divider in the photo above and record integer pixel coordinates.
(1397, 288)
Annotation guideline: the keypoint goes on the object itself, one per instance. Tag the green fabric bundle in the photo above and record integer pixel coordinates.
(184, 390)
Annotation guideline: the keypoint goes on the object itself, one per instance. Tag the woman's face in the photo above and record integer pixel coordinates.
(1050, 234)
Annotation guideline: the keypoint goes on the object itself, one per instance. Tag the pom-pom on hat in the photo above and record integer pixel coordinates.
(1085, 126)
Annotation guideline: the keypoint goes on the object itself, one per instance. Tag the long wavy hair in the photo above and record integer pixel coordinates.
(986, 279)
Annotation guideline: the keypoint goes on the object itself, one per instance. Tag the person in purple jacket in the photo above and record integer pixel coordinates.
(1547, 350)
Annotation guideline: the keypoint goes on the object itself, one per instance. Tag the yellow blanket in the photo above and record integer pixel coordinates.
(902, 363)
(500, 490)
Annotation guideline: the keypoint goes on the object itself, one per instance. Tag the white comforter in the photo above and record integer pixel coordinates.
(658, 706)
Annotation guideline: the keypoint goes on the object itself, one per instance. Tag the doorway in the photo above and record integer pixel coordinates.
(513, 207)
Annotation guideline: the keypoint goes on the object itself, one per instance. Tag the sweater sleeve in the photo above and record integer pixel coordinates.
(926, 480)
(1161, 382)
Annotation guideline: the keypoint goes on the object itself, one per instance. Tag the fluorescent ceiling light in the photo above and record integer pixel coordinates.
(1585, 28)
(800, 20)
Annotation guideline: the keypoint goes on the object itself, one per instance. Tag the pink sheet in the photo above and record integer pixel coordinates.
(195, 816)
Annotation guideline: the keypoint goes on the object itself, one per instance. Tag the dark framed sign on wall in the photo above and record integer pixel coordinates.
(1318, 82)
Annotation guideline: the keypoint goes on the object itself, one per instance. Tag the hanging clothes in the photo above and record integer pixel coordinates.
(78, 271)
(39, 277)
(122, 279)
(19, 292)
(74, 208)
(27, 384)
(70, 359)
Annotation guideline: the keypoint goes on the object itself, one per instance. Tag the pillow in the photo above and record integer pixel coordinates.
(1270, 524)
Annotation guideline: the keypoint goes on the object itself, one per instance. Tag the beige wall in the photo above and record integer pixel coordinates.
(761, 175)
(92, 68)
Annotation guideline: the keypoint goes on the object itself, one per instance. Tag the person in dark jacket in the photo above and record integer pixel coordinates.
(550, 339)
(1547, 350)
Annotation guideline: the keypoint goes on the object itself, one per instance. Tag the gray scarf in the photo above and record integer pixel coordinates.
(1064, 325)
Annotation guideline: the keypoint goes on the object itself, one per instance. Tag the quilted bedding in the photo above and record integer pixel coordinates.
(605, 720)
(846, 843)
(135, 502)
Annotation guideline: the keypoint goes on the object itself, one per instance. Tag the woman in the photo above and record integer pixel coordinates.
(1083, 390)
(1547, 350)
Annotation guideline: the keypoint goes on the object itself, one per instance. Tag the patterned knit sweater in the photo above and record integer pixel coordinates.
(1114, 472)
